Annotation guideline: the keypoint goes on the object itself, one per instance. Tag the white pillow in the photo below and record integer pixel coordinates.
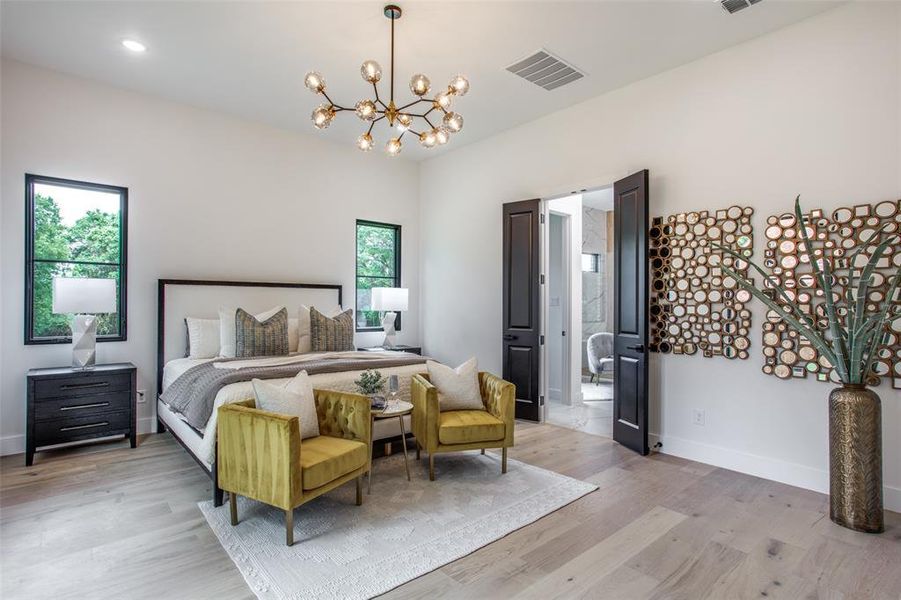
(295, 400)
(458, 389)
(305, 341)
(228, 333)
(203, 337)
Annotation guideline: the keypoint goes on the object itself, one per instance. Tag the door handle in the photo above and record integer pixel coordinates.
(509, 337)
(637, 347)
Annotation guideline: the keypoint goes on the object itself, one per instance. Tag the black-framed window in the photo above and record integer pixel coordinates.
(72, 229)
(378, 265)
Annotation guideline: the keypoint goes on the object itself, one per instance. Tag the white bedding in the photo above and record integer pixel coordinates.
(343, 381)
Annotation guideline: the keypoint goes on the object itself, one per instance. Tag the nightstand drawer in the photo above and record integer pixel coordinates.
(85, 385)
(81, 406)
(75, 428)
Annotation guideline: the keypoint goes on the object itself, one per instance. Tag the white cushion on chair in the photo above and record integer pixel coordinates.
(295, 400)
(458, 389)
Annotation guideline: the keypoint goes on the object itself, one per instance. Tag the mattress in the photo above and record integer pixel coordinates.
(203, 444)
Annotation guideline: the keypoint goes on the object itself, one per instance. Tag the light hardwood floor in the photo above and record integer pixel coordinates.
(106, 521)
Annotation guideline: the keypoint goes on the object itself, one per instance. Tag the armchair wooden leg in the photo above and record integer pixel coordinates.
(360, 490)
(289, 527)
(504, 460)
(483, 452)
(417, 451)
(233, 505)
(431, 467)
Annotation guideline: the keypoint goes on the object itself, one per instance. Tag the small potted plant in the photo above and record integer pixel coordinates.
(371, 383)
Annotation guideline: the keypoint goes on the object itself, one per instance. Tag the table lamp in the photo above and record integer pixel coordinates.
(389, 300)
(86, 298)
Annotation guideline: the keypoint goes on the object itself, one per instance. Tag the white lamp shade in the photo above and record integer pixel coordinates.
(81, 295)
(390, 298)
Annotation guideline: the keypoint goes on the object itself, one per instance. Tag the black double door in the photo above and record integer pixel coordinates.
(522, 308)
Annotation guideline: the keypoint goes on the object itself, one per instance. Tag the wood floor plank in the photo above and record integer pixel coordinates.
(583, 572)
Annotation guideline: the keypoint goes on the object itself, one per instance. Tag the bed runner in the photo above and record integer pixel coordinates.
(194, 393)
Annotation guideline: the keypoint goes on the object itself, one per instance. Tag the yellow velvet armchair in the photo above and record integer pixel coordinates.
(456, 430)
(261, 455)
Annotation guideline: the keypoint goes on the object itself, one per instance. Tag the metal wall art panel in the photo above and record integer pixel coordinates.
(834, 238)
(695, 307)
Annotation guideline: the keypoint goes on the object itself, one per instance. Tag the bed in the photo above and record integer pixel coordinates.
(179, 299)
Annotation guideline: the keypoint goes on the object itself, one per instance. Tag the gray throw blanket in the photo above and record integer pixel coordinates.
(194, 393)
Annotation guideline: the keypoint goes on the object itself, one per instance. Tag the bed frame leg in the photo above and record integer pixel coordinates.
(160, 427)
(217, 496)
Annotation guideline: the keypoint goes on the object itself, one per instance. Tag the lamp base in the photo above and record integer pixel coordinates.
(84, 341)
(390, 332)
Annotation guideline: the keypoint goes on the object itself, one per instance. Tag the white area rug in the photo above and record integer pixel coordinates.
(403, 530)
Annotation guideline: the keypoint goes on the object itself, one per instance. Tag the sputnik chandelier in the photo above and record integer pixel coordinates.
(437, 121)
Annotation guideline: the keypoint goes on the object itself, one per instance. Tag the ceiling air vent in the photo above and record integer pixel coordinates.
(733, 6)
(545, 70)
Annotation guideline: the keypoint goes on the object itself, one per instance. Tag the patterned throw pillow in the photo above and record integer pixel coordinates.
(332, 334)
(261, 338)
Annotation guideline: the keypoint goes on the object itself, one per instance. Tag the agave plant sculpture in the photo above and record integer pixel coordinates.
(853, 330)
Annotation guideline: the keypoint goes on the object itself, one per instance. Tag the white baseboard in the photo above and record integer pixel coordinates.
(15, 444)
(12, 444)
(760, 466)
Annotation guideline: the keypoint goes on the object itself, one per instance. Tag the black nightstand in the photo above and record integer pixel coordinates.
(72, 405)
(397, 348)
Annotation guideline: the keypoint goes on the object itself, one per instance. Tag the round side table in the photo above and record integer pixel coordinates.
(396, 409)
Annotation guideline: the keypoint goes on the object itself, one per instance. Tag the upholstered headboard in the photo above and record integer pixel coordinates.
(180, 298)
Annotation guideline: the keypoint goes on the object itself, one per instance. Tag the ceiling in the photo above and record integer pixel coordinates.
(249, 58)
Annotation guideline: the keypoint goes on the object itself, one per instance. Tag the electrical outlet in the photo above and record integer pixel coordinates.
(142, 396)
(698, 416)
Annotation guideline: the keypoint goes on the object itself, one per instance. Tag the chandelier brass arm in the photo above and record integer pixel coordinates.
(400, 118)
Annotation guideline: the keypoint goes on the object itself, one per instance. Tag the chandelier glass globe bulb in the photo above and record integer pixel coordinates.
(460, 85)
(420, 84)
(404, 121)
(442, 135)
(322, 116)
(364, 142)
(371, 71)
(314, 82)
(428, 138)
(366, 110)
(393, 147)
(443, 99)
(453, 121)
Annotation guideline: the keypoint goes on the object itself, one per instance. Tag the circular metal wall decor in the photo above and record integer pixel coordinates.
(834, 238)
(695, 308)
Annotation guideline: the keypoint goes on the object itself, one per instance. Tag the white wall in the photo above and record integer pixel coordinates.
(210, 196)
(811, 109)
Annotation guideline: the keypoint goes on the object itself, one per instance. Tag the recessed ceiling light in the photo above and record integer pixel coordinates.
(134, 46)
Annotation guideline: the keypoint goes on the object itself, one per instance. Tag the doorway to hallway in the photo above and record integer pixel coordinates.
(579, 311)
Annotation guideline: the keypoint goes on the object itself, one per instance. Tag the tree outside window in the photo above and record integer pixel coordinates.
(378, 265)
(75, 229)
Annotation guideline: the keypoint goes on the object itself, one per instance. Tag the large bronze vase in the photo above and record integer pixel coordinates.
(855, 459)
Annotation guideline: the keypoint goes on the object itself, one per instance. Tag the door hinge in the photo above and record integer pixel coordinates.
(541, 279)
(541, 218)
(564, 334)
(540, 400)
(541, 340)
